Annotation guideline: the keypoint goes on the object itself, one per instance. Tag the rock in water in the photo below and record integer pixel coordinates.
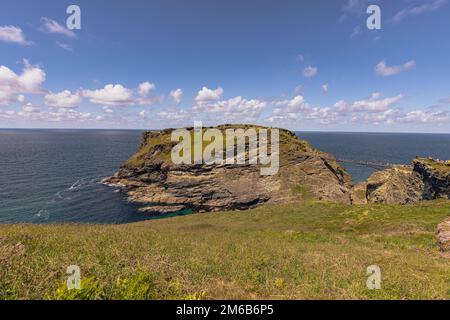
(150, 177)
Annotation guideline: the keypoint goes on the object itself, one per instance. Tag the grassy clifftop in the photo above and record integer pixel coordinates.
(308, 250)
(158, 144)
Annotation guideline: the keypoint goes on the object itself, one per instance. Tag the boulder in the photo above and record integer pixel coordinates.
(443, 235)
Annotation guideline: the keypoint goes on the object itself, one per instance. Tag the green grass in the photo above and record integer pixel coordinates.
(303, 192)
(289, 144)
(444, 167)
(313, 250)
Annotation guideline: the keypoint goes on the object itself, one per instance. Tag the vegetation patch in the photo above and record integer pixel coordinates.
(308, 250)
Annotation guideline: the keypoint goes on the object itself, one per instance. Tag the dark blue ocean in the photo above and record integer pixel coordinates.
(51, 176)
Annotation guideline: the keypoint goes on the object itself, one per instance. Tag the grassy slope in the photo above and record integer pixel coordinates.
(310, 250)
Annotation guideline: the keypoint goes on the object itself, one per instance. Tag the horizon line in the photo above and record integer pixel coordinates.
(293, 130)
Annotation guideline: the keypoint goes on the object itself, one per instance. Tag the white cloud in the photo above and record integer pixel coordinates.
(12, 85)
(382, 69)
(13, 34)
(51, 26)
(10, 97)
(64, 46)
(374, 103)
(310, 72)
(300, 58)
(341, 106)
(145, 88)
(295, 104)
(107, 109)
(237, 108)
(387, 116)
(177, 115)
(289, 109)
(143, 114)
(64, 99)
(415, 10)
(176, 95)
(325, 88)
(7, 114)
(110, 95)
(206, 94)
(29, 108)
(118, 95)
(373, 109)
(421, 116)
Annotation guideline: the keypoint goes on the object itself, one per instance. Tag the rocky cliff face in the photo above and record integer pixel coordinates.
(425, 179)
(150, 177)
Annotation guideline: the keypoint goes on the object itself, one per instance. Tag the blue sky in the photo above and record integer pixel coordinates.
(303, 65)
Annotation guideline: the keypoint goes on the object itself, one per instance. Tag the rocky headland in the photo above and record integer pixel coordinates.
(424, 179)
(150, 178)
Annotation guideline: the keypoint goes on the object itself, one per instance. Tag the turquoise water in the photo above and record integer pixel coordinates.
(54, 175)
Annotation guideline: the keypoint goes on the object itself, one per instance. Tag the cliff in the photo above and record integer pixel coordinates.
(424, 179)
(150, 178)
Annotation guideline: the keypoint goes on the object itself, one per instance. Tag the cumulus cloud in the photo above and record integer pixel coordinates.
(237, 108)
(145, 88)
(110, 95)
(382, 69)
(423, 116)
(415, 10)
(51, 26)
(206, 94)
(373, 109)
(310, 72)
(118, 95)
(289, 108)
(176, 95)
(64, 99)
(325, 88)
(12, 85)
(374, 104)
(13, 34)
(29, 108)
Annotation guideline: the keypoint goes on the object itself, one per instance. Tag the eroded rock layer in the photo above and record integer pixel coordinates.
(150, 177)
(425, 179)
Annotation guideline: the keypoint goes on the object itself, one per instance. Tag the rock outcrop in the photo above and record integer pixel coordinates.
(425, 179)
(150, 178)
(443, 235)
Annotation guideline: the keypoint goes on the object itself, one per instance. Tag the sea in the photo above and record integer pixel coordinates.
(54, 176)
